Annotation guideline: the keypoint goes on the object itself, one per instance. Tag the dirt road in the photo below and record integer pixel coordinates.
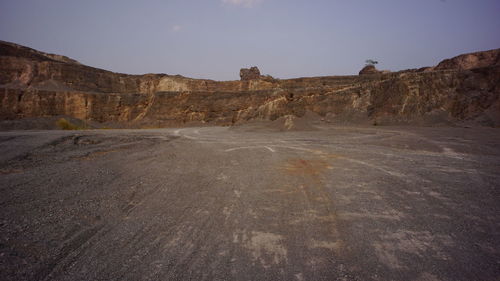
(216, 203)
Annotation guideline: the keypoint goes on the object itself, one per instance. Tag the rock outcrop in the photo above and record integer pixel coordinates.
(249, 73)
(369, 69)
(472, 60)
(37, 85)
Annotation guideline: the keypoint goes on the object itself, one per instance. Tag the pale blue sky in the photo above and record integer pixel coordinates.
(285, 38)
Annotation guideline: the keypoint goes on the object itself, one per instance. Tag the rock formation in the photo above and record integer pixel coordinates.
(369, 69)
(38, 85)
(472, 60)
(249, 73)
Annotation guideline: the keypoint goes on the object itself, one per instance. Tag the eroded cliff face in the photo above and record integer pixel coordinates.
(35, 84)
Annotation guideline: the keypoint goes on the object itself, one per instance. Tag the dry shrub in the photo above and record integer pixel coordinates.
(64, 124)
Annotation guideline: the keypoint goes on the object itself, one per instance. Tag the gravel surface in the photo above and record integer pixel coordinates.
(216, 203)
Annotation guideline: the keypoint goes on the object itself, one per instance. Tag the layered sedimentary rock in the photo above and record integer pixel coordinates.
(34, 84)
(472, 60)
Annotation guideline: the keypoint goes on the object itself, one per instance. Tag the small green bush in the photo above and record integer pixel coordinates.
(64, 124)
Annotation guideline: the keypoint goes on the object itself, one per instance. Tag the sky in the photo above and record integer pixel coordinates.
(213, 39)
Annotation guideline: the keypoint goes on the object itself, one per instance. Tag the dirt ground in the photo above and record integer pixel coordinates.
(217, 203)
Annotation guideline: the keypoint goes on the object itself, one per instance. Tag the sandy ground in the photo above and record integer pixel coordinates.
(213, 203)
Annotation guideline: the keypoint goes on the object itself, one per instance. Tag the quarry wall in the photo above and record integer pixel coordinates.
(34, 84)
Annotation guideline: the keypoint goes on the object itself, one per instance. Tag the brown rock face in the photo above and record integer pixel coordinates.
(472, 60)
(34, 85)
(249, 73)
(369, 69)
